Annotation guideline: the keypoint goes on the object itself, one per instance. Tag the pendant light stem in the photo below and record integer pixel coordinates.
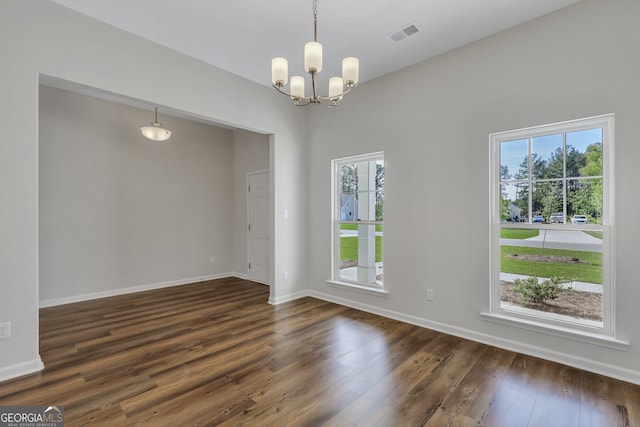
(315, 99)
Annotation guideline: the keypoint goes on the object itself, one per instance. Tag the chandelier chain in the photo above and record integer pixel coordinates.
(315, 20)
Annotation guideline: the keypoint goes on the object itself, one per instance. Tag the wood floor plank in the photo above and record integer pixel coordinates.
(559, 397)
(377, 404)
(216, 353)
(468, 402)
(632, 408)
(424, 399)
(275, 392)
(193, 405)
(602, 402)
(510, 407)
(94, 402)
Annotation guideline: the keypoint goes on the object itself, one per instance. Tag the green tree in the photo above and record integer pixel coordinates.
(540, 191)
(555, 166)
(575, 161)
(379, 192)
(579, 197)
(504, 202)
(592, 161)
(551, 198)
(349, 178)
(522, 188)
(593, 168)
(504, 209)
(538, 167)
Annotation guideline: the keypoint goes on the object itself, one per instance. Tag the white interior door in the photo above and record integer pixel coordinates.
(258, 227)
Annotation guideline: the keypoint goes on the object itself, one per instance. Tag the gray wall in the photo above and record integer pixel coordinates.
(118, 211)
(433, 121)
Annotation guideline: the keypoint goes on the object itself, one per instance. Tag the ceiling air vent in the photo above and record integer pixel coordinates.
(404, 33)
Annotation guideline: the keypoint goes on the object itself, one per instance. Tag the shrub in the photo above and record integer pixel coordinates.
(532, 290)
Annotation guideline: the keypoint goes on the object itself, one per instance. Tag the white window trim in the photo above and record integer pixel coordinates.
(336, 280)
(522, 318)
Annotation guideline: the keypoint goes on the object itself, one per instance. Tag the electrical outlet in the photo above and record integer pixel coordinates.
(5, 330)
(429, 294)
(285, 275)
(213, 260)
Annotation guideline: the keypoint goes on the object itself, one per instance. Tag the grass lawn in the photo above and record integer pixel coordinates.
(349, 248)
(355, 227)
(517, 233)
(588, 270)
(596, 234)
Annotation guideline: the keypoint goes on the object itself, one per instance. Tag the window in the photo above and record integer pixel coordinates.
(551, 225)
(358, 198)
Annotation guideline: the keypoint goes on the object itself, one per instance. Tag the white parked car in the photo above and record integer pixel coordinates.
(579, 219)
(556, 218)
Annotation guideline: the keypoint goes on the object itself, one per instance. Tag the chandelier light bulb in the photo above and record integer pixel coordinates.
(335, 88)
(297, 87)
(313, 57)
(279, 71)
(350, 70)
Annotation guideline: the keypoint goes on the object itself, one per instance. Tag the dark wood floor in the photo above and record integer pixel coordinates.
(215, 353)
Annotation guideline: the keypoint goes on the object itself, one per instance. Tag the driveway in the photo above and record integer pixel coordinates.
(558, 239)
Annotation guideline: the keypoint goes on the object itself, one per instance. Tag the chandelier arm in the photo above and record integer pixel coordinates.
(288, 94)
(331, 98)
(302, 102)
(297, 102)
(306, 98)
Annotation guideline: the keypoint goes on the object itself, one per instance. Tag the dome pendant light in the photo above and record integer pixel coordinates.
(155, 132)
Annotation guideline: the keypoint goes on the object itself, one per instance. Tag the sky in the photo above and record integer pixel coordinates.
(512, 153)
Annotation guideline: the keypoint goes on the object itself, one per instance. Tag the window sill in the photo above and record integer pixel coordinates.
(558, 331)
(381, 292)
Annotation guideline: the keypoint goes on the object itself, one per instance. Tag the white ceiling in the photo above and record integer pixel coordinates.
(242, 36)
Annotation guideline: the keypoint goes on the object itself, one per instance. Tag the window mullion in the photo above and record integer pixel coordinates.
(530, 178)
(565, 182)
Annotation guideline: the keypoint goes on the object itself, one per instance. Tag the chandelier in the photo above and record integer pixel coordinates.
(338, 86)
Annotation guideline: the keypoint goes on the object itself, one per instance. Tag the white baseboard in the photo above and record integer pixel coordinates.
(245, 276)
(21, 369)
(290, 297)
(242, 276)
(605, 369)
(122, 291)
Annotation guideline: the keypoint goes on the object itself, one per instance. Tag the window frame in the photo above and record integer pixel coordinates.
(532, 319)
(336, 187)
